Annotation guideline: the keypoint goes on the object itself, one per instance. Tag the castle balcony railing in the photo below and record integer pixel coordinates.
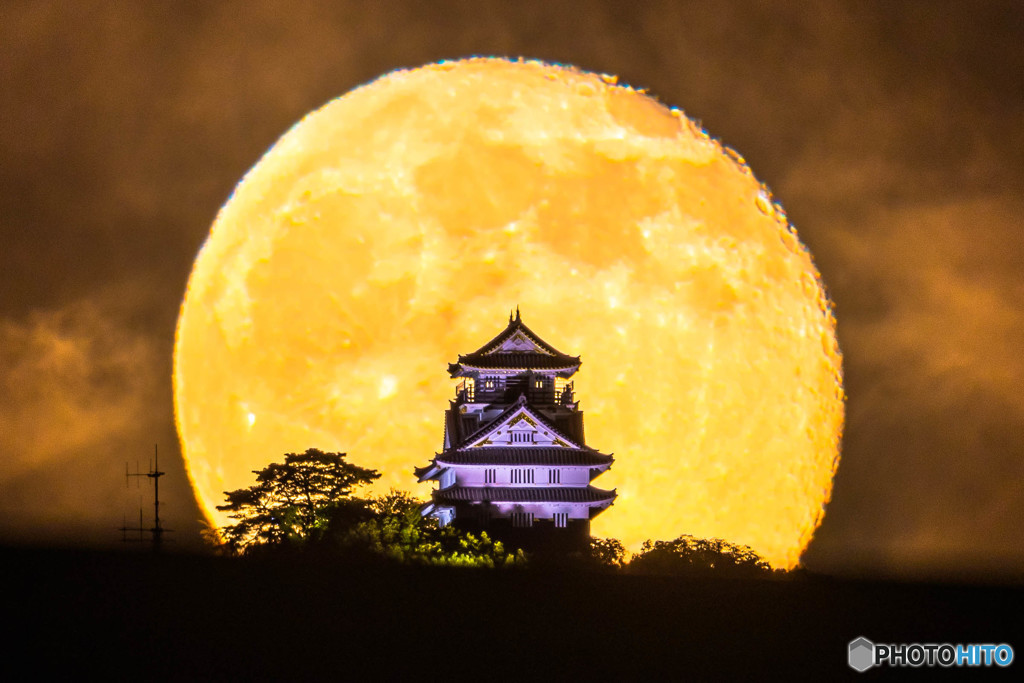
(468, 393)
(465, 393)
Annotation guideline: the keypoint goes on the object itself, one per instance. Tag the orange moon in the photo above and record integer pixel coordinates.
(395, 227)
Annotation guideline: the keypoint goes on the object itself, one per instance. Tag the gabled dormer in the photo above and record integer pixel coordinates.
(519, 425)
(519, 342)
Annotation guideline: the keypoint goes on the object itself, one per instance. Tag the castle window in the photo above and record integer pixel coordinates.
(554, 476)
(561, 520)
(490, 476)
(522, 437)
(523, 476)
(489, 384)
(539, 384)
(522, 519)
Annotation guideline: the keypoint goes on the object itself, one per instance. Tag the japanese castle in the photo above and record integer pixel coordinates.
(515, 462)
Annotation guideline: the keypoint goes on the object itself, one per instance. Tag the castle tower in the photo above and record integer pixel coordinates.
(515, 462)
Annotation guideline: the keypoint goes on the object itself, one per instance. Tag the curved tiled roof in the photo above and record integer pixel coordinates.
(541, 455)
(426, 472)
(514, 494)
(486, 358)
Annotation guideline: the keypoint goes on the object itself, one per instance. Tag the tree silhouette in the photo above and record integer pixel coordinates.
(687, 555)
(308, 500)
(296, 502)
(598, 554)
(605, 553)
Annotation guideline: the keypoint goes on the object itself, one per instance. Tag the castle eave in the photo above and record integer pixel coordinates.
(517, 455)
(427, 472)
(511, 494)
(514, 361)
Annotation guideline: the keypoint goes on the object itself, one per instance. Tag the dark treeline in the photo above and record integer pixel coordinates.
(308, 504)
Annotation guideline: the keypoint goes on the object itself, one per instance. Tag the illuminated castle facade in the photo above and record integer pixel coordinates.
(515, 462)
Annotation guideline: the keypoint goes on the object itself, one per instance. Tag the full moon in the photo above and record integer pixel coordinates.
(395, 228)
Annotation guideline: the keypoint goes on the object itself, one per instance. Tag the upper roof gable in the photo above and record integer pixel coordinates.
(517, 346)
(518, 342)
(517, 333)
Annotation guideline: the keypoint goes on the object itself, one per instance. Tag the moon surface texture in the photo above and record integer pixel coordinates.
(395, 228)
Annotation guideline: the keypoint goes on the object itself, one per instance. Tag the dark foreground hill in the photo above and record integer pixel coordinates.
(181, 617)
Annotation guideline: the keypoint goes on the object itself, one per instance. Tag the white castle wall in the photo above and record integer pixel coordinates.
(472, 475)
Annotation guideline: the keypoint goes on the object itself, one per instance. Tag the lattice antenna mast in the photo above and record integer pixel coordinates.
(157, 530)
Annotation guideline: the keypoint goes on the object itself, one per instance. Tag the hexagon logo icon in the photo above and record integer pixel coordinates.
(861, 654)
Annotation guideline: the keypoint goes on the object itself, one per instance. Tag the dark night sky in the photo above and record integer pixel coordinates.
(893, 133)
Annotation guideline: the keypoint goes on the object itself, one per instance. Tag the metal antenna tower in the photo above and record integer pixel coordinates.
(157, 530)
